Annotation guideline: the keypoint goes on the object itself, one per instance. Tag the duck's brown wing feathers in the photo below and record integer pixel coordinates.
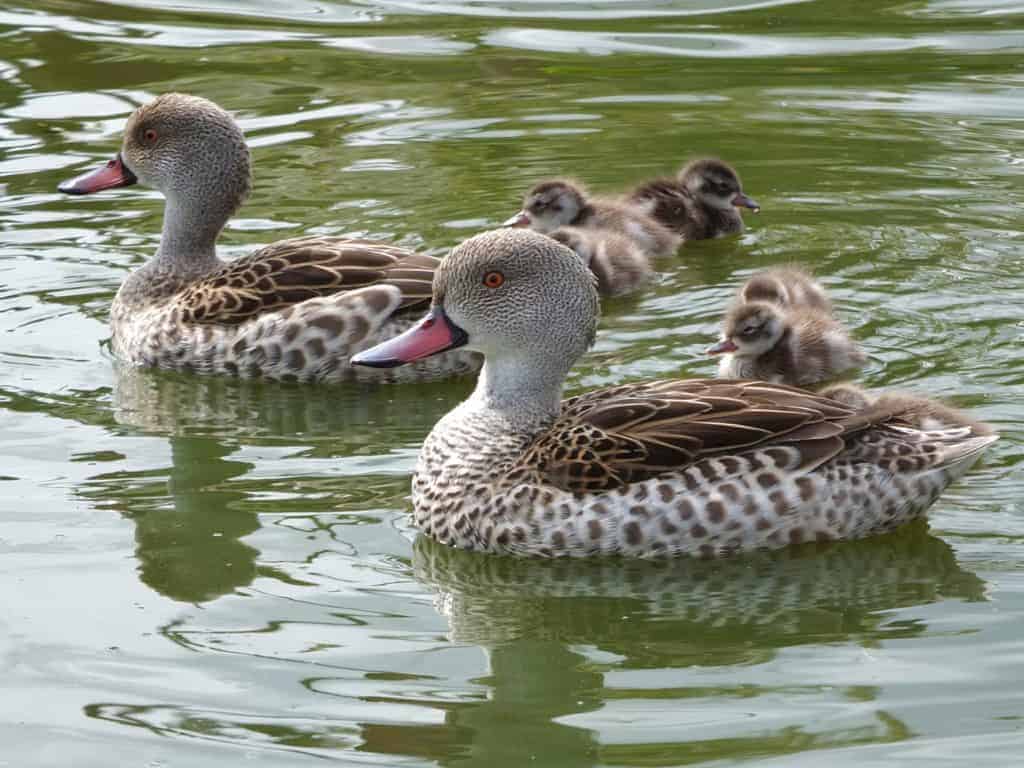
(291, 271)
(614, 437)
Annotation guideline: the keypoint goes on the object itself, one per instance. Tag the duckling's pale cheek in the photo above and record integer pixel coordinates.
(543, 223)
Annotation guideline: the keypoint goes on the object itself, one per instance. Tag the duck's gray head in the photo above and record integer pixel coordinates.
(750, 330)
(550, 205)
(716, 184)
(511, 294)
(185, 146)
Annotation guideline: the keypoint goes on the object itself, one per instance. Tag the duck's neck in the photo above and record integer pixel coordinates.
(526, 393)
(189, 237)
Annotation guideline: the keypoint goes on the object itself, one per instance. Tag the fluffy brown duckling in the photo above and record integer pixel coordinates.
(561, 203)
(702, 202)
(919, 412)
(619, 264)
(799, 346)
(788, 286)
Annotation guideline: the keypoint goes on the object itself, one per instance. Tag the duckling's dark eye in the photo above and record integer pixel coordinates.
(749, 331)
(494, 279)
(149, 135)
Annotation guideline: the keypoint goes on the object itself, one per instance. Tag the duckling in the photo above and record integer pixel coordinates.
(847, 393)
(700, 203)
(789, 286)
(617, 261)
(800, 346)
(919, 412)
(561, 202)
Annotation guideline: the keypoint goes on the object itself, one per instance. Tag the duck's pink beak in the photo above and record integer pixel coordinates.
(435, 333)
(521, 219)
(742, 201)
(725, 345)
(114, 174)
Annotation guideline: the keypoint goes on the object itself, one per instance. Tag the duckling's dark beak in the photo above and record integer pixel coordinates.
(725, 345)
(114, 174)
(521, 219)
(742, 201)
(434, 334)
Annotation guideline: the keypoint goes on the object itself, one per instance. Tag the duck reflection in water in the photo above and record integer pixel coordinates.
(191, 518)
(553, 629)
(561, 636)
(189, 549)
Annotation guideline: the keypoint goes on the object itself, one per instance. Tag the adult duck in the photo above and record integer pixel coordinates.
(295, 309)
(705, 467)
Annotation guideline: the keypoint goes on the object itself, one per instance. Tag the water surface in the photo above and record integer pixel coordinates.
(209, 573)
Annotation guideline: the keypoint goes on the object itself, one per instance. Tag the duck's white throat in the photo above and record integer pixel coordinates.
(190, 232)
(523, 388)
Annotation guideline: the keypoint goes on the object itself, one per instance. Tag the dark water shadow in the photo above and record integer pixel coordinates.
(191, 516)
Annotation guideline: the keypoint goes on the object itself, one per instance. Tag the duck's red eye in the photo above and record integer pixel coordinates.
(149, 135)
(494, 279)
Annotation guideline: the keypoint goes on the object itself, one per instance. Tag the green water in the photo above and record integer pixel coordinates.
(209, 573)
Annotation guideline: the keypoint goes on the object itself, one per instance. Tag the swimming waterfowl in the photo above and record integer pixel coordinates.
(562, 203)
(801, 346)
(296, 309)
(617, 262)
(702, 467)
(702, 202)
(789, 286)
(915, 410)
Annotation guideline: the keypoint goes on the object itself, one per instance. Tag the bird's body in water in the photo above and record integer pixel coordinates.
(294, 309)
(550, 205)
(801, 346)
(650, 469)
(700, 203)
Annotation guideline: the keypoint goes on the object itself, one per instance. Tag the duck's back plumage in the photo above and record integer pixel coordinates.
(295, 309)
(614, 437)
(289, 272)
